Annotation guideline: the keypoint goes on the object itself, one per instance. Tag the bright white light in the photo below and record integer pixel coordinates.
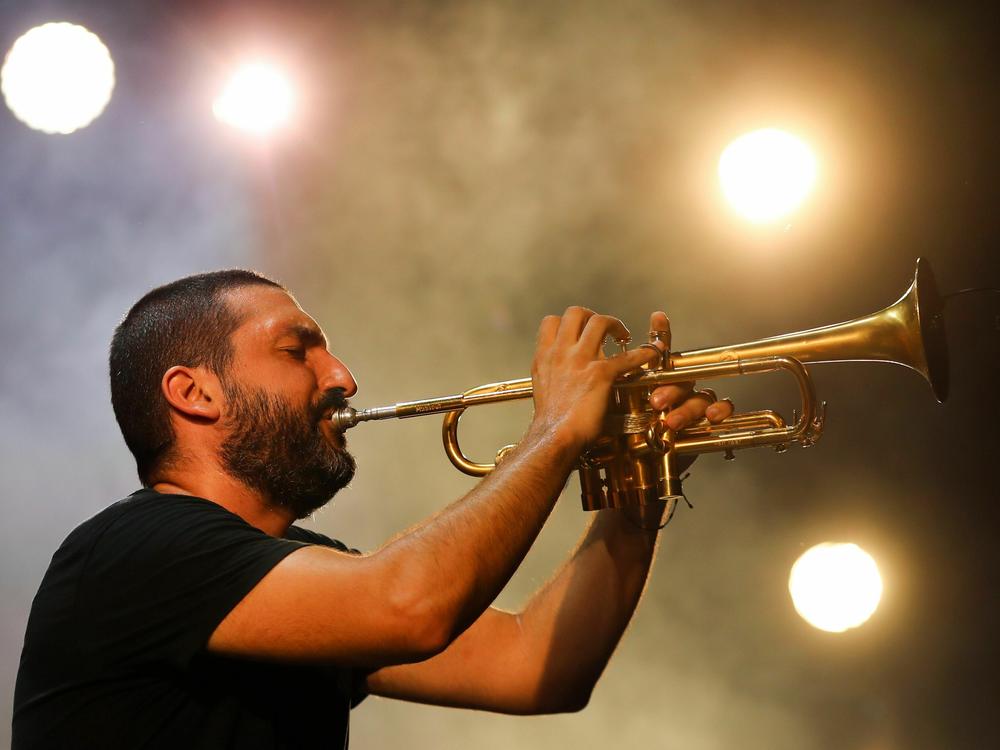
(766, 174)
(835, 586)
(258, 98)
(57, 77)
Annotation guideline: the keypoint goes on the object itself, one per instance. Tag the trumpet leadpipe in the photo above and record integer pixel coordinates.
(487, 394)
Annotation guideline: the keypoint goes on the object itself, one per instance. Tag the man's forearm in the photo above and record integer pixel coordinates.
(574, 623)
(459, 560)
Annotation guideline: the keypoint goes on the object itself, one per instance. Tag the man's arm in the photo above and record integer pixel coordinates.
(546, 658)
(415, 595)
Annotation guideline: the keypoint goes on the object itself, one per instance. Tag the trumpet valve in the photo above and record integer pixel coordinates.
(669, 483)
(663, 337)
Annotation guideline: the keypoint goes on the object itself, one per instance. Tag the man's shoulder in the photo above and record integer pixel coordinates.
(149, 551)
(161, 513)
(94, 527)
(150, 522)
(149, 501)
(147, 508)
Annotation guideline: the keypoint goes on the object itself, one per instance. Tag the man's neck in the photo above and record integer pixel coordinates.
(232, 495)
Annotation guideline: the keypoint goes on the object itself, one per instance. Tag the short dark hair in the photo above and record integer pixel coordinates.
(186, 322)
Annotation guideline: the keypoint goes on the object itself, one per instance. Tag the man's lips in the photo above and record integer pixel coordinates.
(331, 402)
(327, 418)
(334, 436)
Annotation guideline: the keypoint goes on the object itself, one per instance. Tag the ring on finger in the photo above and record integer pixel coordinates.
(707, 393)
(659, 353)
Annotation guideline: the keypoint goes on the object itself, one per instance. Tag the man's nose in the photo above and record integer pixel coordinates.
(335, 374)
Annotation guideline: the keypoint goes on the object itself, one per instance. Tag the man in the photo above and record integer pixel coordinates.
(194, 614)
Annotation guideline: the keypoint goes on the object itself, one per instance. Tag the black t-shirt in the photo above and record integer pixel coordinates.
(114, 655)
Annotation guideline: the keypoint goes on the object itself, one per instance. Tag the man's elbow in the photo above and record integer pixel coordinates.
(572, 706)
(574, 702)
(421, 624)
(577, 702)
(566, 701)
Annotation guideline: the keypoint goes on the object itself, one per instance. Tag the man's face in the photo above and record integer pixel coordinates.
(280, 390)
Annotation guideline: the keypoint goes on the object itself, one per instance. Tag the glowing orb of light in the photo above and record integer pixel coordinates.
(57, 77)
(835, 586)
(766, 174)
(258, 98)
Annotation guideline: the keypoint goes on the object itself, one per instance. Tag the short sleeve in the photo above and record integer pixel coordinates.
(160, 578)
(354, 679)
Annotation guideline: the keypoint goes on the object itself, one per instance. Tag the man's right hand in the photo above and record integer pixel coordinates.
(572, 378)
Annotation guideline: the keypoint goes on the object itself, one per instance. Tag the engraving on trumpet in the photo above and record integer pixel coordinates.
(425, 408)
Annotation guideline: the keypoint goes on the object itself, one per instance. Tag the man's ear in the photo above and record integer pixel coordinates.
(193, 391)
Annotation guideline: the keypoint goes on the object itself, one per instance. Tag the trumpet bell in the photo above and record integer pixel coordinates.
(909, 332)
(929, 310)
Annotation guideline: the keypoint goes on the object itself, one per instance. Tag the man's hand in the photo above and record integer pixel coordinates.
(683, 404)
(572, 378)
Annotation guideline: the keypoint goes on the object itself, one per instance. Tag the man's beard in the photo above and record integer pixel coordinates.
(283, 453)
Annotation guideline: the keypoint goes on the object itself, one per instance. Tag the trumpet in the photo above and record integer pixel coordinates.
(635, 459)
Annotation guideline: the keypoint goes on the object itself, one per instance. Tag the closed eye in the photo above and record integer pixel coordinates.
(297, 352)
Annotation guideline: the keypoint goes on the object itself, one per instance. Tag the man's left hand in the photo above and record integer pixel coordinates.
(685, 405)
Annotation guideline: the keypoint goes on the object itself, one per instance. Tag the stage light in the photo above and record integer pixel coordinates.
(258, 99)
(57, 77)
(835, 587)
(766, 174)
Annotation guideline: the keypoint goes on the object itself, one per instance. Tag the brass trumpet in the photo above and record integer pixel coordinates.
(634, 460)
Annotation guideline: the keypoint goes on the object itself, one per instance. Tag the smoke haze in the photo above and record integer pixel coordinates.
(460, 170)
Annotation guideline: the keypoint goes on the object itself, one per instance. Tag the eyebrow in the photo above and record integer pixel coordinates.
(307, 334)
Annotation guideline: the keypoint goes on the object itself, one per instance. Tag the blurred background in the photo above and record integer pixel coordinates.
(450, 172)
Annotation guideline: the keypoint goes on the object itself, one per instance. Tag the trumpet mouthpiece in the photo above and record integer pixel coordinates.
(344, 419)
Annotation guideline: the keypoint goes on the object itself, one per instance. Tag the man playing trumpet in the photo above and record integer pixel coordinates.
(194, 613)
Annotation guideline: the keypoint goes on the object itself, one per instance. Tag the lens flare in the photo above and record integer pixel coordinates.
(835, 587)
(257, 99)
(766, 174)
(57, 78)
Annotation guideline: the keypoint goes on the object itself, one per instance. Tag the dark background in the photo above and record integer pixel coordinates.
(458, 170)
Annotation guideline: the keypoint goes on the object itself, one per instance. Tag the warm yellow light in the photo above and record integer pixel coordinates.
(766, 174)
(835, 586)
(258, 98)
(57, 78)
